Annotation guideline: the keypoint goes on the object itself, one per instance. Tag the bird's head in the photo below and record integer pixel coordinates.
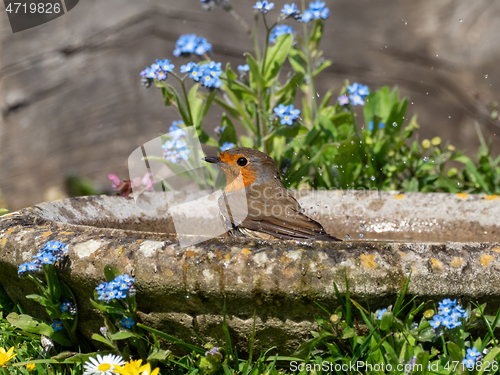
(245, 166)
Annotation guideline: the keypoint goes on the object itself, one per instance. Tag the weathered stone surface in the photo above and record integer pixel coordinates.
(71, 100)
(180, 289)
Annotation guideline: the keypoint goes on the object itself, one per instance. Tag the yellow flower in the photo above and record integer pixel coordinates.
(146, 370)
(451, 148)
(6, 356)
(426, 143)
(130, 368)
(30, 366)
(436, 141)
(134, 368)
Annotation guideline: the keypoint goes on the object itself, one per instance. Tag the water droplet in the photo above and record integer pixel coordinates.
(394, 124)
(187, 296)
(361, 235)
(406, 22)
(486, 76)
(426, 158)
(449, 116)
(372, 178)
(426, 93)
(362, 226)
(460, 19)
(367, 166)
(347, 237)
(437, 55)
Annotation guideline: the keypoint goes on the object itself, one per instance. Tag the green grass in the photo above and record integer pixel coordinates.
(346, 337)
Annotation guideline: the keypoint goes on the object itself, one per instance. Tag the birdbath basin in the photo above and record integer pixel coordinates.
(450, 243)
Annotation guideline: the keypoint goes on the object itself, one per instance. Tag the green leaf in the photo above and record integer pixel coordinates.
(236, 106)
(256, 79)
(195, 104)
(396, 117)
(421, 363)
(326, 100)
(276, 56)
(206, 139)
(231, 76)
(158, 355)
(233, 110)
(454, 352)
(29, 324)
(45, 302)
(246, 141)
(180, 105)
(322, 67)
(410, 185)
(208, 102)
(122, 335)
(386, 321)
(108, 308)
(102, 339)
(399, 301)
(168, 97)
(32, 325)
(111, 272)
(316, 34)
(298, 60)
(472, 170)
(287, 93)
(348, 333)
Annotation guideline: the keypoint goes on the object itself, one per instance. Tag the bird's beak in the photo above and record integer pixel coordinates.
(212, 159)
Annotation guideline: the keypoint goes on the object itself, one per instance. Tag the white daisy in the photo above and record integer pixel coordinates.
(102, 365)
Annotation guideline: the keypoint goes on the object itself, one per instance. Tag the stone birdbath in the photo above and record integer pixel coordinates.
(450, 243)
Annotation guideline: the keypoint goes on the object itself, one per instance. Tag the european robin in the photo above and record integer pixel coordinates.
(268, 210)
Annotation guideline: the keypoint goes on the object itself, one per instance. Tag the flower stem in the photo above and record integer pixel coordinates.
(182, 82)
(268, 31)
(254, 34)
(311, 92)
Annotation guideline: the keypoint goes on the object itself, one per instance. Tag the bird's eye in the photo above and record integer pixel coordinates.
(242, 162)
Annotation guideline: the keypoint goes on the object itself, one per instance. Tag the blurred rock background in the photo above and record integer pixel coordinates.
(72, 104)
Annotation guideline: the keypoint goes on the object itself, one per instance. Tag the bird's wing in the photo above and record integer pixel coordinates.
(277, 214)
